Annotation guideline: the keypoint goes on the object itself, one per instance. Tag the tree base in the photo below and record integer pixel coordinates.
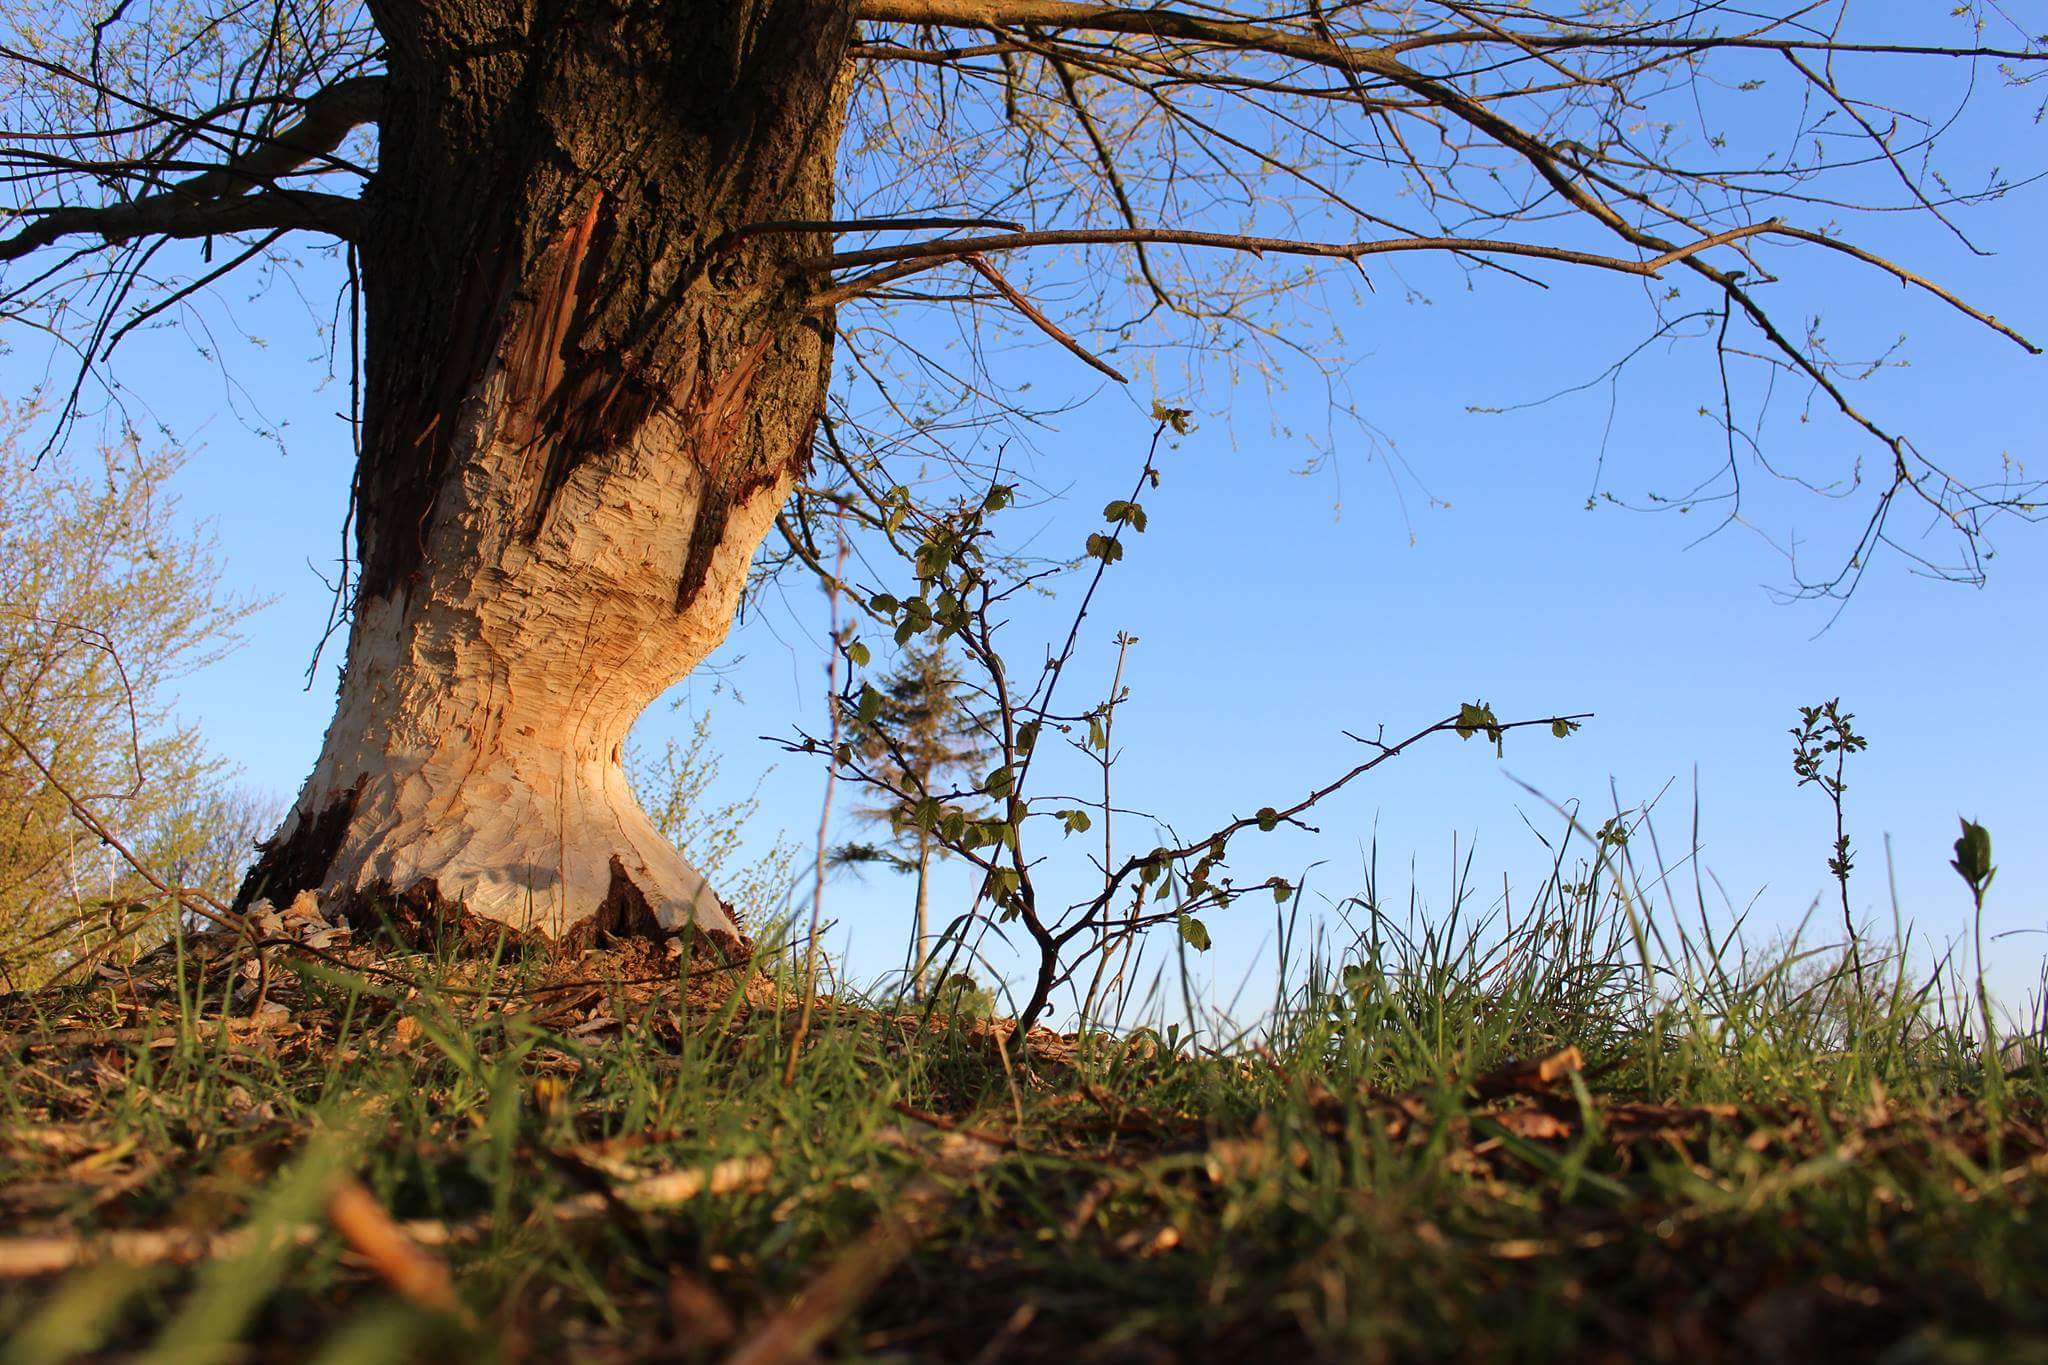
(570, 873)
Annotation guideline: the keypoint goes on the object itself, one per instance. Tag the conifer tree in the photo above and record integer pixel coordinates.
(921, 740)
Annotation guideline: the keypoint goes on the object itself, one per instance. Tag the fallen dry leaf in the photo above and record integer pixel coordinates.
(1533, 1124)
(1531, 1074)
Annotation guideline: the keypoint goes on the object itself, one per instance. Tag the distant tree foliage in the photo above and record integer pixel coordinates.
(675, 788)
(105, 599)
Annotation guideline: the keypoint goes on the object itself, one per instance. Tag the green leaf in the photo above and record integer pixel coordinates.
(1474, 717)
(870, 704)
(857, 654)
(1027, 736)
(1973, 857)
(1268, 819)
(1477, 717)
(1104, 548)
(1282, 891)
(1194, 933)
(1180, 419)
(1098, 737)
(1155, 863)
(1125, 513)
(1561, 728)
(79, 1313)
(884, 604)
(997, 783)
(998, 498)
(383, 1332)
(1077, 821)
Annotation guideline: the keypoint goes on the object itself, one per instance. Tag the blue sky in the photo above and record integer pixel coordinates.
(1277, 609)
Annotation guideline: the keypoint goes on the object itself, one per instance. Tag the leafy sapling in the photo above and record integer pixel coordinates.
(1973, 864)
(961, 595)
(1826, 732)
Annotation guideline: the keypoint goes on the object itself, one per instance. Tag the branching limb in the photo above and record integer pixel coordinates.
(913, 257)
(232, 197)
(1238, 33)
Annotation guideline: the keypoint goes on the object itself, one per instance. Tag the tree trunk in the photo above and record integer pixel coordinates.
(924, 871)
(586, 393)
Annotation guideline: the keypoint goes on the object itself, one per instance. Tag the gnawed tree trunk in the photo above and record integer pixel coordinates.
(586, 394)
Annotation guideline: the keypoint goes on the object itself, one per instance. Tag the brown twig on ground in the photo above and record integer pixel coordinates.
(946, 1125)
(140, 1036)
(30, 1257)
(1531, 1075)
(27, 1257)
(406, 1268)
(859, 1268)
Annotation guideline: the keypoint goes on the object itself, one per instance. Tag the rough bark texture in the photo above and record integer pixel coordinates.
(584, 401)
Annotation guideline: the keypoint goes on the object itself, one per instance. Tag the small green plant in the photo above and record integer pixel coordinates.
(675, 789)
(1973, 864)
(1825, 732)
(961, 996)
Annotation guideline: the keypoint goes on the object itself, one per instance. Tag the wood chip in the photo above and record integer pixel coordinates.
(406, 1268)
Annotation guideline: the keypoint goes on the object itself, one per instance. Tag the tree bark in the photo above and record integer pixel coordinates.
(584, 399)
(924, 872)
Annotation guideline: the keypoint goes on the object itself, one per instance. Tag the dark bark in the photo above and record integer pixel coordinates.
(553, 190)
(285, 869)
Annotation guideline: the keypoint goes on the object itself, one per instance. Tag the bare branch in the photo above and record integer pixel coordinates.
(232, 197)
(1043, 323)
(1167, 23)
(330, 116)
(961, 248)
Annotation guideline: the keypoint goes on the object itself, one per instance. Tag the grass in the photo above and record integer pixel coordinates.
(1584, 1133)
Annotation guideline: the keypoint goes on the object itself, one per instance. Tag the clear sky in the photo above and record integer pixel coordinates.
(1277, 609)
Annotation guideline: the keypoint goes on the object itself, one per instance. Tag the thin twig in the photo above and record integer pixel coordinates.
(810, 988)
